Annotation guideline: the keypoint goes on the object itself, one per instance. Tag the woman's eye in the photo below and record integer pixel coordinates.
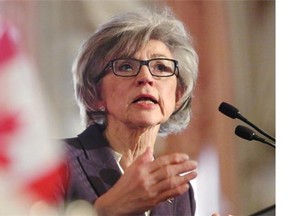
(161, 67)
(125, 67)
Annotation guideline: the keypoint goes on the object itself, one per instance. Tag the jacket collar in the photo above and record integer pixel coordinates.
(98, 161)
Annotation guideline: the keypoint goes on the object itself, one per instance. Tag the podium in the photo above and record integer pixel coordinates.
(269, 211)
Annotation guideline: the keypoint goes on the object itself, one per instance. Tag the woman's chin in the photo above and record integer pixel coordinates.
(146, 122)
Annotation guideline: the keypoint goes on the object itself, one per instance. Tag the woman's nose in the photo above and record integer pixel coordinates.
(144, 76)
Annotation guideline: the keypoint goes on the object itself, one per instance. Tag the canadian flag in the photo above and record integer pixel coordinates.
(30, 162)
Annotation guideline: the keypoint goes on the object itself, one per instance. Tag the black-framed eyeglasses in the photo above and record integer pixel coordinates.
(129, 67)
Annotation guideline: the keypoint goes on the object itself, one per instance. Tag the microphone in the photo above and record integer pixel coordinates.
(248, 134)
(233, 112)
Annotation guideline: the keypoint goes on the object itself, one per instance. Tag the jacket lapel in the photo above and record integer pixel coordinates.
(98, 162)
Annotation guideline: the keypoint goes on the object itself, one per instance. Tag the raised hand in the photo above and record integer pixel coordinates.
(146, 183)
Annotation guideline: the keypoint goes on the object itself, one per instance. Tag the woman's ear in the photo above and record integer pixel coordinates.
(100, 104)
(179, 94)
(98, 90)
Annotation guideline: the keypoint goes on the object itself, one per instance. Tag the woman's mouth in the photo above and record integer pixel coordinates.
(145, 100)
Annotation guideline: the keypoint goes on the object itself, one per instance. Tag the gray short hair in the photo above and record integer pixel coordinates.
(122, 36)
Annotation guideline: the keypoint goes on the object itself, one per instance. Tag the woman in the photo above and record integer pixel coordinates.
(133, 81)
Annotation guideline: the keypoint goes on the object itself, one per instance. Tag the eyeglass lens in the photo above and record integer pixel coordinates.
(131, 67)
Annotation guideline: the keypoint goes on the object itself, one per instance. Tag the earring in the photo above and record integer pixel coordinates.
(102, 108)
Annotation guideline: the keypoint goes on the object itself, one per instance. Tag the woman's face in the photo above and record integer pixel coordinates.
(144, 100)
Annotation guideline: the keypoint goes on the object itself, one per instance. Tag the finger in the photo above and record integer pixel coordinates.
(147, 156)
(167, 160)
(173, 170)
(173, 182)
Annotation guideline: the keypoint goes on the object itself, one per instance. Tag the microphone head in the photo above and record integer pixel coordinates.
(244, 132)
(228, 110)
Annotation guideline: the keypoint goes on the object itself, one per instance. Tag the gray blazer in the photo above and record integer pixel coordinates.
(92, 170)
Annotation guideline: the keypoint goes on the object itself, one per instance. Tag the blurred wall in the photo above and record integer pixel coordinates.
(252, 29)
(236, 44)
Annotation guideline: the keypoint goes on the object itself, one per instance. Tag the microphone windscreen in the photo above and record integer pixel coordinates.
(228, 110)
(244, 132)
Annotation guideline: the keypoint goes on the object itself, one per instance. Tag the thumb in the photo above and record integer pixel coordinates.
(147, 156)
